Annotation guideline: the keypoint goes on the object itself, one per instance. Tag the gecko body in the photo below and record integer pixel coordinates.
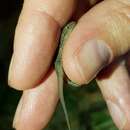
(59, 69)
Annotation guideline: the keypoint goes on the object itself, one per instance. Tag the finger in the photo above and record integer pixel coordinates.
(114, 83)
(100, 36)
(37, 105)
(36, 39)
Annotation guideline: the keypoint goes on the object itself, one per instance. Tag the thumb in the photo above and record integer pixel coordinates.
(100, 36)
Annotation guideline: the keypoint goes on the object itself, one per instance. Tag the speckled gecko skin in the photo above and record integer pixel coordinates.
(59, 69)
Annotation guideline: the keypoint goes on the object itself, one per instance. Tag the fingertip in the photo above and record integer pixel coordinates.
(84, 56)
(37, 105)
(72, 70)
(35, 43)
(36, 40)
(114, 86)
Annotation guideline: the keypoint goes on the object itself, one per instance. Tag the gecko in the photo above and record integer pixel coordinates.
(59, 69)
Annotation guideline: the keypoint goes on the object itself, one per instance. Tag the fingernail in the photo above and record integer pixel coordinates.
(117, 114)
(92, 57)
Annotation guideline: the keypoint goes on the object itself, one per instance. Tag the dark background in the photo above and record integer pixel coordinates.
(9, 12)
(86, 107)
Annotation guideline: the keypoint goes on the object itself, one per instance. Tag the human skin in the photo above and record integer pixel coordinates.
(101, 35)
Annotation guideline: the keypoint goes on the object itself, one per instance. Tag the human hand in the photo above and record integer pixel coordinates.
(101, 36)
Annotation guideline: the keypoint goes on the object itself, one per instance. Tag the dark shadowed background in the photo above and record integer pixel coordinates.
(86, 107)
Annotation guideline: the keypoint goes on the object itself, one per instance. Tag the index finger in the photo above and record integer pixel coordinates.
(36, 40)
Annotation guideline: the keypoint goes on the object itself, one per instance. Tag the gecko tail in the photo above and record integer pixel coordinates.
(66, 116)
(62, 100)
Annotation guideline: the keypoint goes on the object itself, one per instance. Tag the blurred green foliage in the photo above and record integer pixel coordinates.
(87, 110)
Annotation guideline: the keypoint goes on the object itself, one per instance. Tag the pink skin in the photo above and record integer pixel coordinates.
(30, 52)
(100, 35)
(37, 105)
(117, 76)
